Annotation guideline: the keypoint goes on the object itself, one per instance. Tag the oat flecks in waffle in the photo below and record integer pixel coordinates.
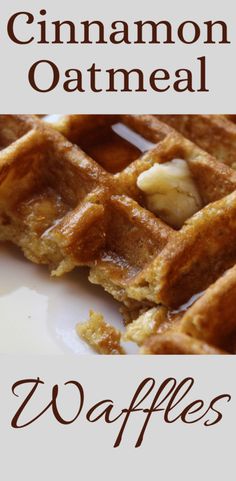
(69, 197)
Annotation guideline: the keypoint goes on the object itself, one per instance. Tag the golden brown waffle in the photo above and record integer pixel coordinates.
(69, 197)
(51, 195)
(214, 133)
(210, 322)
(102, 337)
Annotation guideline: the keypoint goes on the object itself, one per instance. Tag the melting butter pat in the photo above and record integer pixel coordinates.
(170, 191)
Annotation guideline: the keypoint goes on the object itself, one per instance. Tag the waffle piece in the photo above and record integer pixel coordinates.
(52, 195)
(208, 325)
(102, 337)
(213, 317)
(77, 202)
(147, 325)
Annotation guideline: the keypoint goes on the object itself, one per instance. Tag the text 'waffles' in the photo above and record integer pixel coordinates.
(170, 400)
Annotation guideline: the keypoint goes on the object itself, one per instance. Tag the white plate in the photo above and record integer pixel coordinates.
(38, 314)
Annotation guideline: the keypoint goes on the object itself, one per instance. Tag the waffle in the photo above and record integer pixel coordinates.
(51, 195)
(69, 197)
(205, 327)
(216, 134)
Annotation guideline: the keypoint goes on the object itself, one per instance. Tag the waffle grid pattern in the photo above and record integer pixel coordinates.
(69, 197)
